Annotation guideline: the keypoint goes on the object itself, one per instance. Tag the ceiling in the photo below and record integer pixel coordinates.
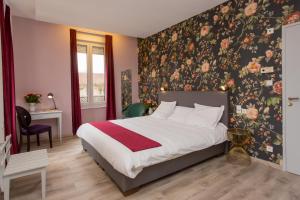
(136, 18)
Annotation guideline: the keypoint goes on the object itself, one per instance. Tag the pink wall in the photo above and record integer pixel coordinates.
(42, 64)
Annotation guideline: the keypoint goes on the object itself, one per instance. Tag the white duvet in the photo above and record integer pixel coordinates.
(176, 139)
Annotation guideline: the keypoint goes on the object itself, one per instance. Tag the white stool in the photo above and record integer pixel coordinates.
(23, 164)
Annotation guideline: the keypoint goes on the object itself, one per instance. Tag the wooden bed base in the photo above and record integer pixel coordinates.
(128, 186)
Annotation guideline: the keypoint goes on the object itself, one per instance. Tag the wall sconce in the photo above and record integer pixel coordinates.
(51, 96)
(224, 88)
(163, 89)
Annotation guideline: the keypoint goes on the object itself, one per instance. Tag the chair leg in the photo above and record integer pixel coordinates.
(6, 188)
(21, 140)
(50, 137)
(38, 139)
(43, 176)
(28, 142)
(1, 185)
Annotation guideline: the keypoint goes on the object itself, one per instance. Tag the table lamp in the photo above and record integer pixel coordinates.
(51, 96)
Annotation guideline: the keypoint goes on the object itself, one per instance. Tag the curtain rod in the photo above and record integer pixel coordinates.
(88, 33)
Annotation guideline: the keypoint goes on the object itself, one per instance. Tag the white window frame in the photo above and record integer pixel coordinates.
(91, 104)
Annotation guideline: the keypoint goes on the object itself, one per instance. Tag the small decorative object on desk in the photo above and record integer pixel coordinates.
(32, 100)
(238, 138)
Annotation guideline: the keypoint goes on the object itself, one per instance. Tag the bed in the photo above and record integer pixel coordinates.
(130, 170)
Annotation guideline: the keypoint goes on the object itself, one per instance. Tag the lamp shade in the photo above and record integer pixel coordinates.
(50, 95)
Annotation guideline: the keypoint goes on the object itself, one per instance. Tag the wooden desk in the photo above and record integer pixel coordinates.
(50, 114)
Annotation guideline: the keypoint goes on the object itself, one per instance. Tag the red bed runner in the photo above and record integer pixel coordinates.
(132, 140)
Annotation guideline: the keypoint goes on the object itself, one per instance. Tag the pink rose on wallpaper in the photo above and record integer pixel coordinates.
(269, 54)
(145, 89)
(204, 31)
(205, 67)
(231, 25)
(145, 58)
(252, 113)
(230, 83)
(189, 61)
(188, 87)
(191, 46)
(153, 47)
(175, 75)
(215, 18)
(174, 36)
(251, 9)
(232, 120)
(294, 17)
(247, 40)
(163, 59)
(225, 43)
(194, 75)
(254, 66)
(225, 9)
(277, 87)
(153, 73)
(148, 101)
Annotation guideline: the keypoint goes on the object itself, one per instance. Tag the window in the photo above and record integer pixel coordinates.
(91, 74)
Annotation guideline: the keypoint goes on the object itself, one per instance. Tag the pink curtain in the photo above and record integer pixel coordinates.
(8, 77)
(75, 92)
(110, 80)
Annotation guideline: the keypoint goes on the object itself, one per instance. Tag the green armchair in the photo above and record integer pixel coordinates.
(135, 110)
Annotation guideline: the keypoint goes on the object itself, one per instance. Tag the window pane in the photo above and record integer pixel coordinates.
(82, 70)
(98, 74)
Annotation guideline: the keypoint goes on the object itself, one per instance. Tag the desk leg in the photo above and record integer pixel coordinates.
(43, 177)
(59, 121)
(6, 183)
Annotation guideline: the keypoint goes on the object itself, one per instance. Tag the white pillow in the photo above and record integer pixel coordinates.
(180, 114)
(212, 109)
(164, 110)
(205, 116)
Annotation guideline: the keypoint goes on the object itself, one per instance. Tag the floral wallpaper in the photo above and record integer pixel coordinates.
(228, 45)
(126, 87)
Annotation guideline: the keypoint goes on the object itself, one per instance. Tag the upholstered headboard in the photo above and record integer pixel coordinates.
(188, 99)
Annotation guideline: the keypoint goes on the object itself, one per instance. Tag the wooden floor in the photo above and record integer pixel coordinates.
(72, 174)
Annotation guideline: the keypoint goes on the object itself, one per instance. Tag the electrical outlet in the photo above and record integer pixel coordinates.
(266, 70)
(270, 31)
(238, 109)
(268, 82)
(269, 149)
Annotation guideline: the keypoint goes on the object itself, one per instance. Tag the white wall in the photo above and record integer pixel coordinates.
(42, 65)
